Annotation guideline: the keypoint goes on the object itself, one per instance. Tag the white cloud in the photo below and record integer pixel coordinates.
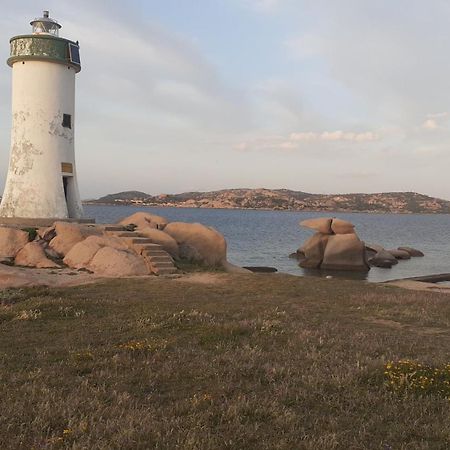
(435, 121)
(335, 136)
(430, 124)
(295, 140)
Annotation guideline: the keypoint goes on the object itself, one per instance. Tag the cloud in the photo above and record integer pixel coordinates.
(435, 121)
(295, 140)
(330, 136)
(430, 124)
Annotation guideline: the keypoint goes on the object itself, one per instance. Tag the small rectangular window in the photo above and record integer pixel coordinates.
(67, 121)
(74, 53)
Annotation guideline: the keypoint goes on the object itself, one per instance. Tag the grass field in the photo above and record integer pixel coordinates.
(246, 362)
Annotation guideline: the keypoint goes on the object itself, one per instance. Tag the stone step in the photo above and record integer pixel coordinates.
(165, 271)
(154, 251)
(151, 246)
(136, 240)
(161, 265)
(124, 234)
(141, 248)
(156, 255)
(158, 259)
(113, 228)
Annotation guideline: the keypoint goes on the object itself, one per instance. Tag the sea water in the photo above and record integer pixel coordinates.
(266, 238)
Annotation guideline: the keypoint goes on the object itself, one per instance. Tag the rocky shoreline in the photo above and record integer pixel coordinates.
(139, 245)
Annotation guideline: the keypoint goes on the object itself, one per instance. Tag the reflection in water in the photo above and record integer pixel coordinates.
(267, 238)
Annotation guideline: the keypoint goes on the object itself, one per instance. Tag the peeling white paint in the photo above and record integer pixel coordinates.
(42, 91)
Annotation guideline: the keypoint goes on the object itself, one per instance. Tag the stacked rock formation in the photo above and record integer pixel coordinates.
(139, 245)
(334, 246)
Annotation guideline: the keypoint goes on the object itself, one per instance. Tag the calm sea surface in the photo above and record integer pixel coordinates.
(266, 238)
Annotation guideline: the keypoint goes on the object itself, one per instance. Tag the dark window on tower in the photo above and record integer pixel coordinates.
(67, 121)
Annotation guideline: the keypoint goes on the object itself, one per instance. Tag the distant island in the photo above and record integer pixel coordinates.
(285, 200)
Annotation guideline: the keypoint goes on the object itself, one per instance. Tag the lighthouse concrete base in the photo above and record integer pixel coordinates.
(39, 222)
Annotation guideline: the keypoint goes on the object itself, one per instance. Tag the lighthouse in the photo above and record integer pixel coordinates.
(42, 180)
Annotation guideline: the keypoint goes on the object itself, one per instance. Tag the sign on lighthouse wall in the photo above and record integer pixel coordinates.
(42, 179)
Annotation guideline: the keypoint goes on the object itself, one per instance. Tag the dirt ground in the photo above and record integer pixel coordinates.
(16, 277)
(25, 277)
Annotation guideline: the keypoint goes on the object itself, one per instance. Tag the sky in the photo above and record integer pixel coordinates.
(322, 96)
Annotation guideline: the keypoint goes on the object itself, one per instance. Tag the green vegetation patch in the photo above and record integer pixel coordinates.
(32, 233)
(407, 376)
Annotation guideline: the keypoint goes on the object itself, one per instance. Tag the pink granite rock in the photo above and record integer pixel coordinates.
(321, 224)
(33, 255)
(11, 241)
(144, 220)
(111, 262)
(199, 243)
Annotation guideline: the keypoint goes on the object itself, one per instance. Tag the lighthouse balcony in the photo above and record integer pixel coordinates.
(45, 47)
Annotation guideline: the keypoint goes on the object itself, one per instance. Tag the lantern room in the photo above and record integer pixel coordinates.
(45, 25)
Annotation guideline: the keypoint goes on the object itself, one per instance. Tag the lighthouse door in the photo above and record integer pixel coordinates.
(68, 184)
(65, 184)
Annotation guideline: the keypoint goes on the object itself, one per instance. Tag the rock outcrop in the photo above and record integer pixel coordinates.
(69, 234)
(334, 246)
(192, 242)
(33, 255)
(321, 225)
(82, 253)
(412, 251)
(46, 233)
(380, 257)
(339, 226)
(399, 254)
(345, 252)
(145, 220)
(313, 251)
(12, 241)
(150, 245)
(111, 262)
(199, 243)
(383, 259)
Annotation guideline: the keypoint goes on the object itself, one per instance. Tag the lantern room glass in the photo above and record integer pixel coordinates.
(44, 27)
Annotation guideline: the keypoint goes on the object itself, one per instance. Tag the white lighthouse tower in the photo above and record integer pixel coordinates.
(42, 179)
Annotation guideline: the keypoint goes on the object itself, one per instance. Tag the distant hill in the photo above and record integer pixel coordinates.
(284, 199)
(127, 196)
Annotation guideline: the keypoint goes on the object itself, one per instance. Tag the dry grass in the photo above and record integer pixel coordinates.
(254, 362)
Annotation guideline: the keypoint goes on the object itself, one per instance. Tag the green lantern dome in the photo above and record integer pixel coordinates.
(44, 44)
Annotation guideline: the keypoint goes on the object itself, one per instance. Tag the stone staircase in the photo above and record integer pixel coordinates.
(158, 261)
